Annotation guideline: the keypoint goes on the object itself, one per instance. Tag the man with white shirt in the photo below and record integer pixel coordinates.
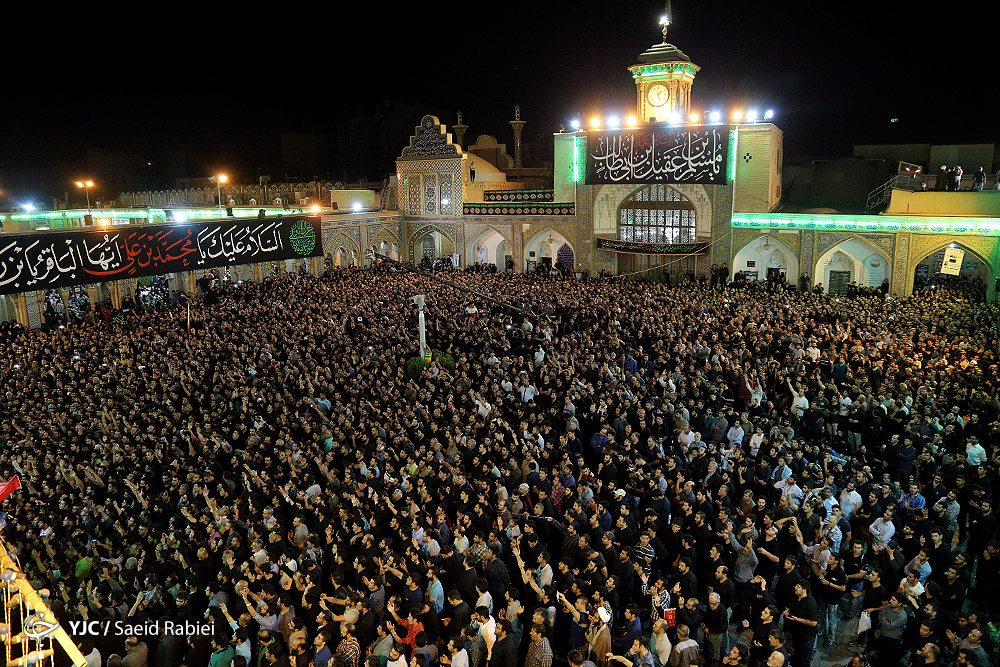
(735, 434)
(849, 499)
(882, 530)
(685, 437)
(791, 491)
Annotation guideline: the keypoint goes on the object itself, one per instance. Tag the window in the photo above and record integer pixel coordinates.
(657, 214)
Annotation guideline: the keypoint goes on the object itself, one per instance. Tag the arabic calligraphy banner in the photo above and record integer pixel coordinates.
(42, 260)
(667, 155)
(639, 247)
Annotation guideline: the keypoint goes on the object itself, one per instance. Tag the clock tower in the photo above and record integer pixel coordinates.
(663, 78)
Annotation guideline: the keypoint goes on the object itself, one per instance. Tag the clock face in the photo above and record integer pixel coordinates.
(657, 95)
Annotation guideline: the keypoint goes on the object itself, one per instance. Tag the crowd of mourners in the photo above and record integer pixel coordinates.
(632, 474)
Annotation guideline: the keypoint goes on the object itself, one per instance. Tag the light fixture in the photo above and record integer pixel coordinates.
(694, 118)
(613, 122)
(180, 216)
(674, 118)
(575, 123)
(630, 121)
(445, 201)
(104, 222)
(595, 122)
(752, 115)
(715, 116)
(29, 207)
(769, 114)
(737, 115)
(315, 209)
(357, 206)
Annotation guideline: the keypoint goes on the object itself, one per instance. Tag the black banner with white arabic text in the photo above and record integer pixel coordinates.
(644, 248)
(658, 155)
(47, 259)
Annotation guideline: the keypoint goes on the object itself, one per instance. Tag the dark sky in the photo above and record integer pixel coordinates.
(835, 73)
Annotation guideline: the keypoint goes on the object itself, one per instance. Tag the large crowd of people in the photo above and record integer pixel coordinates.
(632, 474)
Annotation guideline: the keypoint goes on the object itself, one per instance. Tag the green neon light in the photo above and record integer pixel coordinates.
(141, 214)
(870, 223)
(579, 146)
(732, 156)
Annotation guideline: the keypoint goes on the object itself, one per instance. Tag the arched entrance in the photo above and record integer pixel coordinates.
(546, 248)
(853, 260)
(432, 244)
(766, 257)
(487, 247)
(974, 272)
(657, 214)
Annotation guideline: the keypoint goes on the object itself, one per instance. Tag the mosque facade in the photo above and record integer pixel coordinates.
(668, 193)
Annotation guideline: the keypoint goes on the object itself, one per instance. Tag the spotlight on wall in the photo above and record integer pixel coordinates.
(357, 206)
(575, 123)
(694, 118)
(613, 122)
(674, 118)
(752, 115)
(737, 115)
(630, 121)
(595, 122)
(769, 114)
(715, 116)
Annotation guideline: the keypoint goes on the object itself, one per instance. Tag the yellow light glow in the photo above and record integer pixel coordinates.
(595, 122)
(223, 178)
(104, 222)
(737, 115)
(694, 118)
(89, 184)
(315, 209)
(630, 121)
(79, 184)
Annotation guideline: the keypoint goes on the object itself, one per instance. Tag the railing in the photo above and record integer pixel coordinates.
(882, 193)
(28, 627)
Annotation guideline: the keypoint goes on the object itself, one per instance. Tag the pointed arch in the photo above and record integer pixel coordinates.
(867, 264)
(490, 237)
(766, 251)
(657, 213)
(539, 247)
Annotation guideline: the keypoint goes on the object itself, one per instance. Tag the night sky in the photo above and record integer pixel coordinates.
(835, 74)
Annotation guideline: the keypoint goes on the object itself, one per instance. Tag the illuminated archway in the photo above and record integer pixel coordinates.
(853, 260)
(926, 270)
(763, 254)
(546, 247)
(489, 246)
(657, 214)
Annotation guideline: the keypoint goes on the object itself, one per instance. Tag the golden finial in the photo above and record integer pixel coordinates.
(665, 21)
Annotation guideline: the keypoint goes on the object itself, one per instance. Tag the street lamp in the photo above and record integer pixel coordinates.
(86, 185)
(219, 180)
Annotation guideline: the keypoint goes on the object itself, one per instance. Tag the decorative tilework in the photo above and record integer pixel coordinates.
(430, 138)
(33, 309)
(806, 256)
(518, 195)
(430, 195)
(518, 209)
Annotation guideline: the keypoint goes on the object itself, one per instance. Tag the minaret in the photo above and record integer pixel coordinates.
(459, 130)
(517, 125)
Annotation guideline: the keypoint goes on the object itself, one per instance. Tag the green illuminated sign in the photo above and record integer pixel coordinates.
(870, 223)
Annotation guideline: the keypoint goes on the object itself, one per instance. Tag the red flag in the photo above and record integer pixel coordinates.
(189, 317)
(9, 487)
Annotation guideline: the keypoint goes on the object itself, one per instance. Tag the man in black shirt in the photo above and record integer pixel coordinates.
(802, 619)
(832, 585)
